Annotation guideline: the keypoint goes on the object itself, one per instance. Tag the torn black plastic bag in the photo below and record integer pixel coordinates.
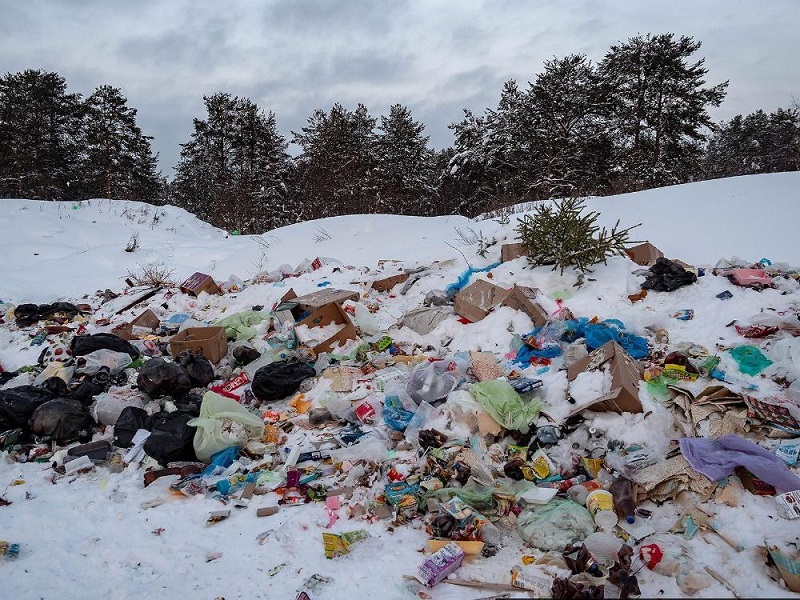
(86, 344)
(171, 438)
(28, 314)
(62, 419)
(157, 377)
(130, 420)
(18, 404)
(666, 276)
(197, 366)
(277, 380)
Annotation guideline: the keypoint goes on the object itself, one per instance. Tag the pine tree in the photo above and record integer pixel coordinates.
(39, 134)
(335, 169)
(117, 161)
(404, 176)
(233, 171)
(660, 108)
(562, 236)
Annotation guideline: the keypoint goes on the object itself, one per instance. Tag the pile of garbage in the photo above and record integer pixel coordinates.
(311, 400)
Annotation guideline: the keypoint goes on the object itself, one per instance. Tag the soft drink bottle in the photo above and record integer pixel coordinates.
(624, 504)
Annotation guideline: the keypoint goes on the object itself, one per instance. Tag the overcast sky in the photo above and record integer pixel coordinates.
(435, 57)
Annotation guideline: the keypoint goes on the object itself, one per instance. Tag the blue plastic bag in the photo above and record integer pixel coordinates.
(394, 415)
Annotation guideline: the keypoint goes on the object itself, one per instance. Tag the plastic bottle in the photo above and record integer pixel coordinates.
(624, 504)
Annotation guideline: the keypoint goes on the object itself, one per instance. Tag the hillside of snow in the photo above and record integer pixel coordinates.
(103, 534)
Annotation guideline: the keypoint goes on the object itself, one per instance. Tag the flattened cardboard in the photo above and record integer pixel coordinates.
(300, 305)
(211, 340)
(477, 300)
(788, 566)
(524, 299)
(625, 376)
(386, 284)
(325, 315)
(511, 251)
(198, 283)
(147, 320)
(644, 254)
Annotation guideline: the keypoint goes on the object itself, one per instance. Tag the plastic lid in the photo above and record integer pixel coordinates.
(630, 519)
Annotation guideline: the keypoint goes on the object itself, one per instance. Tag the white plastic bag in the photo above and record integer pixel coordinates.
(91, 363)
(108, 406)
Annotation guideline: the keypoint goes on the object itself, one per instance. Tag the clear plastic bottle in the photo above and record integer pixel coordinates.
(624, 503)
(578, 493)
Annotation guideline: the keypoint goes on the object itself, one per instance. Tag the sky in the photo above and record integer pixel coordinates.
(436, 58)
(102, 534)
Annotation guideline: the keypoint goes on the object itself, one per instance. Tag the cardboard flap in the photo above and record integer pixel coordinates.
(476, 300)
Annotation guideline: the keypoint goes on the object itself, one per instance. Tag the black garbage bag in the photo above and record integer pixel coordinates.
(86, 344)
(56, 386)
(63, 419)
(171, 438)
(86, 390)
(28, 314)
(130, 420)
(197, 366)
(18, 404)
(244, 355)
(277, 380)
(666, 276)
(157, 377)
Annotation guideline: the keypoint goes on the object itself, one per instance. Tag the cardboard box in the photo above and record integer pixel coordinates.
(625, 376)
(147, 320)
(325, 315)
(477, 300)
(511, 251)
(211, 340)
(300, 306)
(644, 254)
(524, 299)
(198, 283)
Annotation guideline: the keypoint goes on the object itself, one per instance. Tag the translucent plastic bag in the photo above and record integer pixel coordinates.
(554, 525)
(505, 405)
(223, 423)
(91, 363)
(108, 406)
(433, 381)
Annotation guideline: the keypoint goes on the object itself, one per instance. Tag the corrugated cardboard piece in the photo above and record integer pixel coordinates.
(211, 340)
(511, 251)
(645, 254)
(325, 315)
(387, 283)
(625, 376)
(147, 320)
(477, 300)
(301, 305)
(524, 299)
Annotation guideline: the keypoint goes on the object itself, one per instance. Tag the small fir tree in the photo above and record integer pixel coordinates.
(562, 236)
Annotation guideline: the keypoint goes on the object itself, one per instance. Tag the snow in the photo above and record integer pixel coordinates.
(88, 536)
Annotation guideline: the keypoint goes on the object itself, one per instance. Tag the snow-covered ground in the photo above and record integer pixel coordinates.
(89, 536)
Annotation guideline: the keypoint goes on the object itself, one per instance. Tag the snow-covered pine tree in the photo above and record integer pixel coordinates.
(335, 168)
(404, 175)
(40, 131)
(116, 158)
(660, 109)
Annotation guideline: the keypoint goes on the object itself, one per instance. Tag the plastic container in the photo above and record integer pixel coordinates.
(601, 506)
(604, 546)
(578, 493)
(624, 503)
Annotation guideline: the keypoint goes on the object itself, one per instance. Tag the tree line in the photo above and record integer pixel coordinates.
(636, 119)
